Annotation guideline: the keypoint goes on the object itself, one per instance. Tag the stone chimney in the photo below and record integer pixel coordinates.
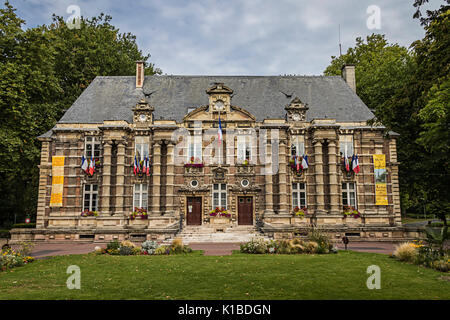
(140, 74)
(348, 73)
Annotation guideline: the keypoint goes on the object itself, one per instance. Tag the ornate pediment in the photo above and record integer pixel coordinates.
(296, 110)
(219, 98)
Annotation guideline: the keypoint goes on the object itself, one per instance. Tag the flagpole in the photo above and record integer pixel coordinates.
(220, 144)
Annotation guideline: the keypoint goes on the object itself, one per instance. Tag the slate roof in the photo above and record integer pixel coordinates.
(112, 98)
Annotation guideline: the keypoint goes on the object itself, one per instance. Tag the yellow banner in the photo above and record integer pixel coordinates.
(379, 163)
(57, 181)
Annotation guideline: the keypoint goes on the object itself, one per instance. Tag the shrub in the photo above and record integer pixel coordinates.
(113, 245)
(324, 244)
(311, 247)
(10, 259)
(126, 251)
(127, 243)
(162, 250)
(441, 265)
(406, 252)
(256, 246)
(149, 247)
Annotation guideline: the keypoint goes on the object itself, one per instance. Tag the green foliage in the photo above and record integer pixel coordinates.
(24, 225)
(4, 234)
(409, 93)
(43, 70)
(113, 245)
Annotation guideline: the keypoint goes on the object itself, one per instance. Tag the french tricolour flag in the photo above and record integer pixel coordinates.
(84, 164)
(136, 167)
(305, 162)
(355, 164)
(219, 132)
(92, 166)
(347, 165)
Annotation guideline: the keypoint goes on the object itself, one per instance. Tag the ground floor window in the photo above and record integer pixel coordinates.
(298, 195)
(219, 195)
(140, 198)
(90, 197)
(349, 194)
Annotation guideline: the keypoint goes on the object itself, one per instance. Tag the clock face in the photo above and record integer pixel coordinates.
(296, 117)
(142, 118)
(219, 105)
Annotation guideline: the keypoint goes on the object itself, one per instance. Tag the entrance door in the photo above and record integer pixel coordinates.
(194, 211)
(245, 210)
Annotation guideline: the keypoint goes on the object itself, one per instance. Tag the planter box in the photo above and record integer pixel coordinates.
(219, 220)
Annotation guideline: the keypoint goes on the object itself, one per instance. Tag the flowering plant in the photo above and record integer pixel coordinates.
(245, 162)
(300, 212)
(194, 163)
(10, 259)
(219, 212)
(139, 212)
(87, 213)
(350, 211)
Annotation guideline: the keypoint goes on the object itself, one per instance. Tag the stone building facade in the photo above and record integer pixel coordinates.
(251, 174)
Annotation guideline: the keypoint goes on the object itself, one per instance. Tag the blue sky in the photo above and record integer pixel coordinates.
(246, 37)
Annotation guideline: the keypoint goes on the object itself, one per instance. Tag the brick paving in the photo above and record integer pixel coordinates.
(43, 250)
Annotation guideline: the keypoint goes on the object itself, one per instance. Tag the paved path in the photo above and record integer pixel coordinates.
(43, 250)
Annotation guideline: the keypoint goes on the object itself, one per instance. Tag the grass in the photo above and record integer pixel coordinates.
(239, 276)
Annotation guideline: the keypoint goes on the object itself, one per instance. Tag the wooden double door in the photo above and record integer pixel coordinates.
(245, 210)
(194, 211)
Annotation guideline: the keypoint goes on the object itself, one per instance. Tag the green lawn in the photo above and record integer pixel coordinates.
(239, 276)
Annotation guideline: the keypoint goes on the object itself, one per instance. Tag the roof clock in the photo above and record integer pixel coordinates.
(296, 110)
(219, 98)
(143, 113)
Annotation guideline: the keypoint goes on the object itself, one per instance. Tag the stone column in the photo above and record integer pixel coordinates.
(333, 177)
(106, 178)
(120, 178)
(318, 177)
(282, 178)
(156, 185)
(170, 209)
(268, 178)
(394, 181)
(44, 172)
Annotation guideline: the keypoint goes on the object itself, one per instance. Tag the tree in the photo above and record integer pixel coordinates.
(43, 70)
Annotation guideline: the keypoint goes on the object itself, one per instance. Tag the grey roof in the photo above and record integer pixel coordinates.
(112, 98)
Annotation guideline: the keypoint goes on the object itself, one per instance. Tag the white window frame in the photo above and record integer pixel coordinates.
(346, 143)
(93, 143)
(348, 192)
(91, 192)
(298, 143)
(297, 192)
(141, 194)
(194, 148)
(221, 192)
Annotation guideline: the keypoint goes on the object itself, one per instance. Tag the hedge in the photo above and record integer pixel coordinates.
(24, 225)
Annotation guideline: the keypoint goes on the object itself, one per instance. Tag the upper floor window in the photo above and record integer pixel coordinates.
(140, 198)
(90, 197)
(349, 194)
(346, 145)
(92, 147)
(194, 148)
(244, 148)
(141, 148)
(219, 195)
(297, 146)
(298, 195)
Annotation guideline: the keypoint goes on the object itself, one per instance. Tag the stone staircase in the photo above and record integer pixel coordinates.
(206, 234)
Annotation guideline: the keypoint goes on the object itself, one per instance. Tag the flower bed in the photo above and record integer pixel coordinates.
(127, 248)
(429, 253)
(87, 213)
(139, 213)
(316, 243)
(10, 258)
(352, 212)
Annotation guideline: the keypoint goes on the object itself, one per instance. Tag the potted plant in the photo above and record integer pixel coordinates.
(300, 212)
(352, 212)
(88, 213)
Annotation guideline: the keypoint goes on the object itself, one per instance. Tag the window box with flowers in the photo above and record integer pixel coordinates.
(194, 165)
(139, 213)
(351, 215)
(299, 215)
(87, 213)
(219, 215)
